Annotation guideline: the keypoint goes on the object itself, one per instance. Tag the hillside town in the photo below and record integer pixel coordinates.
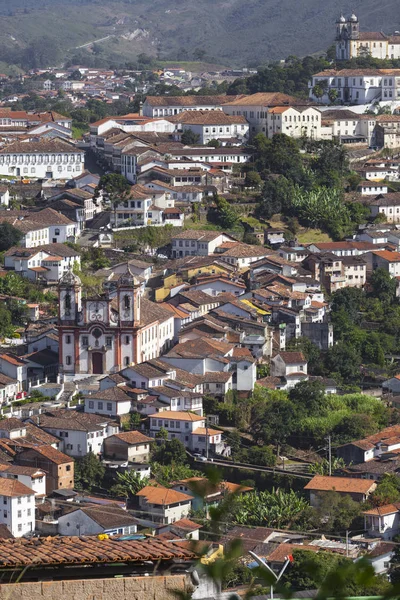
(199, 330)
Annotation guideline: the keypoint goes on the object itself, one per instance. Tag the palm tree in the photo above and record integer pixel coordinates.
(129, 484)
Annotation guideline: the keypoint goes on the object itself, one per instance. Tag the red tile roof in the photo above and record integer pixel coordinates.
(350, 485)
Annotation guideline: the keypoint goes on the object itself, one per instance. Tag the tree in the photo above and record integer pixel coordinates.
(383, 285)
(356, 428)
(344, 360)
(165, 474)
(115, 188)
(387, 490)
(253, 179)
(214, 144)
(336, 512)
(333, 95)
(276, 196)
(169, 452)
(189, 138)
(89, 472)
(318, 91)
(6, 328)
(323, 467)
(273, 417)
(128, 484)
(225, 216)
(308, 396)
(9, 236)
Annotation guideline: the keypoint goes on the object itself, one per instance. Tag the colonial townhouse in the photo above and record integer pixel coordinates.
(147, 205)
(162, 505)
(96, 520)
(113, 402)
(178, 399)
(328, 269)
(390, 261)
(182, 193)
(198, 243)
(345, 248)
(208, 357)
(224, 157)
(242, 256)
(59, 467)
(43, 263)
(131, 446)
(84, 201)
(103, 335)
(159, 106)
(18, 507)
(9, 388)
(48, 159)
(129, 123)
(190, 429)
(212, 125)
(358, 86)
(372, 188)
(255, 109)
(41, 227)
(14, 367)
(296, 122)
(32, 477)
(79, 433)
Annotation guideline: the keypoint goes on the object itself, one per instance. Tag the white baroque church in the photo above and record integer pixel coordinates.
(353, 43)
(106, 333)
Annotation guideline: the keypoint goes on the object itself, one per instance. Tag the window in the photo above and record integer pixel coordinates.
(108, 341)
(19, 527)
(91, 404)
(68, 360)
(67, 339)
(5, 514)
(126, 361)
(19, 514)
(56, 232)
(109, 406)
(127, 339)
(100, 405)
(68, 468)
(85, 340)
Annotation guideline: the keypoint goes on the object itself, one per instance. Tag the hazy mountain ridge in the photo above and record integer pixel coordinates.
(228, 30)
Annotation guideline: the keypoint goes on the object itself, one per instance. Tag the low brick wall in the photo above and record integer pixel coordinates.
(124, 588)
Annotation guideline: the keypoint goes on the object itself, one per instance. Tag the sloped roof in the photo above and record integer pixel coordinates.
(162, 496)
(340, 484)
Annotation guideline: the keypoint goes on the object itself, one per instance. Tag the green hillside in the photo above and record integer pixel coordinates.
(229, 31)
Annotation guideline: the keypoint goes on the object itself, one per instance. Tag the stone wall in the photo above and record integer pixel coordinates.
(124, 588)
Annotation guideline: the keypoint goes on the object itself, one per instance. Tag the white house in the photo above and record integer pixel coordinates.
(159, 106)
(242, 256)
(163, 505)
(387, 260)
(113, 402)
(213, 125)
(288, 363)
(14, 367)
(296, 122)
(255, 109)
(9, 388)
(132, 446)
(49, 262)
(79, 433)
(387, 205)
(198, 243)
(189, 428)
(383, 521)
(31, 477)
(357, 86)
(18, 507)
(48, 159)
(94, 520)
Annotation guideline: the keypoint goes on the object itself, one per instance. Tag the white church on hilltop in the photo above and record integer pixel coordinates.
(111, 331)
(353, 43)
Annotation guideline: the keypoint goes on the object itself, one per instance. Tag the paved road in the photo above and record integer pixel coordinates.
(221, 463)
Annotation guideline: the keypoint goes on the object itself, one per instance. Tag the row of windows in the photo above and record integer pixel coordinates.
(39, 159)
(168, 424)
(100, 405)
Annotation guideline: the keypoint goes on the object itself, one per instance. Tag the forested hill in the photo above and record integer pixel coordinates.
(231, 32)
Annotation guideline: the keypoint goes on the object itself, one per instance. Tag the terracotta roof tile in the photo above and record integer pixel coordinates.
(162, 496)
(340, 484)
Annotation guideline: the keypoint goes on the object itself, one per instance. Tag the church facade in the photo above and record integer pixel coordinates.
(353, 43)
(107, 333)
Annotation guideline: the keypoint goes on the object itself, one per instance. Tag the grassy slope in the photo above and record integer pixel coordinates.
(230, 31)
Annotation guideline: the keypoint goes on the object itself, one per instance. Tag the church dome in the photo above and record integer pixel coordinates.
(341, 19)
(353, 18)
(69, 279)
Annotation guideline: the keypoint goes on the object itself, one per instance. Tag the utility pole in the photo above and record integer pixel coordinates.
(206, 437)
(347, 542)
(329, 454)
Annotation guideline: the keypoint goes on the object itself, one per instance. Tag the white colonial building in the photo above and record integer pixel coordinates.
(47, 159)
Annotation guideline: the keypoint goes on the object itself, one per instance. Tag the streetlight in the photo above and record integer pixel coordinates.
(263, 564)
